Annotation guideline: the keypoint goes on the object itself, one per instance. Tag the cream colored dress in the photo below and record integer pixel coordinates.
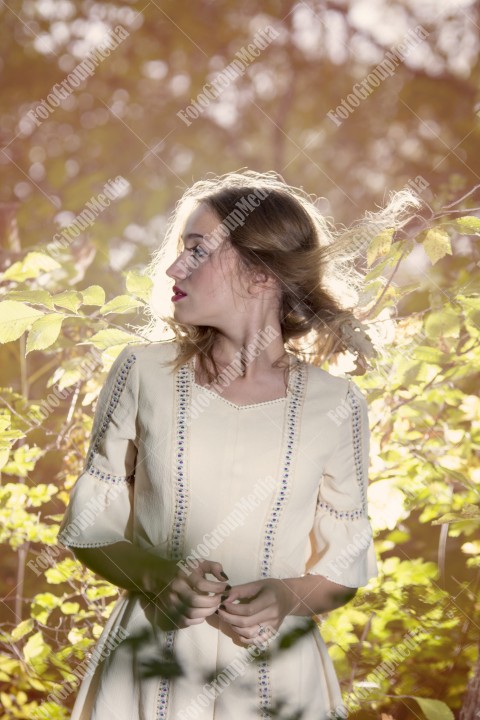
(272, 489)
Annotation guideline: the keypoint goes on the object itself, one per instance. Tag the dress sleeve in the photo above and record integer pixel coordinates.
(341, 538)
(100, 509)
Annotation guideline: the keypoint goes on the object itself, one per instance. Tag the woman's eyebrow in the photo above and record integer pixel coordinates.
(192, 235)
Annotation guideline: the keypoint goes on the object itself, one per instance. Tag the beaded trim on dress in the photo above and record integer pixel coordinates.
(294, 363)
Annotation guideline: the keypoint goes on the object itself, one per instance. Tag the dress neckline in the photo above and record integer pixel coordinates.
(293, 365)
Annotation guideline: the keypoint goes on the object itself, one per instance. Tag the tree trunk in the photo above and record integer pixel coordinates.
(471, 704)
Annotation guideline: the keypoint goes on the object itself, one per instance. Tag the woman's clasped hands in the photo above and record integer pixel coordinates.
(254, 610)
(189, 598)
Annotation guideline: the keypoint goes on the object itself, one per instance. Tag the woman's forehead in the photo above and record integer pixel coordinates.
(201, 220)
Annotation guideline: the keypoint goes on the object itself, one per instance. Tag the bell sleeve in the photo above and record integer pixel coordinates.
(341, 537)
(100, 509)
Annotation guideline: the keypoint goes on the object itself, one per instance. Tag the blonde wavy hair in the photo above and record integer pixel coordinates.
(317, 267)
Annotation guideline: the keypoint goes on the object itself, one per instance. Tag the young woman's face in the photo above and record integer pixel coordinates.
(210, 283)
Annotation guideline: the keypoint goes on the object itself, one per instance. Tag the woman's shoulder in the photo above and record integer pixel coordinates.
(146, 357)
(338, 386)
(151, 353)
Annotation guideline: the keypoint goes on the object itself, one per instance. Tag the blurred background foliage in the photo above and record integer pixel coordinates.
(422, 122)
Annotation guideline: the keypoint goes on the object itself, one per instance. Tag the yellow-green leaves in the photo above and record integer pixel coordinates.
(105, 339)
(22, 629)
(467, 225)
(69, 299)
(15, 318)
(380, 245)
(436, 243)
(44, 332)
(444, 322)
(434, 709)
(93, 295)
(121, 304)
(34, 297)
(139, 285)
(31, 266)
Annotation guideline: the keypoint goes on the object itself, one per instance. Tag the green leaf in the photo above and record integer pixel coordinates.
(15, 319)
(105, 339)
(22, 629)
(70, 608)
(34, 297)
(34, 646)
(93, 295)
(139, 285)
(121, 304)
(434, 709)
(44, 332)
(430, 355)
(68, 299)
(468, 225)
(443, 323)
(380, 245)
(32, 265)
(437, 244)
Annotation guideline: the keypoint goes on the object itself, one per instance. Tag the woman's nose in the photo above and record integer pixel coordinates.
(178, 269)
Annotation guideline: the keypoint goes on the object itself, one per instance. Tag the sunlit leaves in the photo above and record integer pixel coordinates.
(22, 629)
(93, 295)
(105, 339)
(437, 244)
(32, 265)
(44, 332)
(15, 318)
(121, 304)
(445, 322)
(434, 709)
(469, 225)
(69, 299)
(34, 297)
(139, 285)
(380, 246)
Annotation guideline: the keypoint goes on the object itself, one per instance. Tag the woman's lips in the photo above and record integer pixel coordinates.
(178, 296)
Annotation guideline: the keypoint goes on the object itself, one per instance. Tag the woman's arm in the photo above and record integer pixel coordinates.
(314, 594)
(186, 598)
(128, 566)
(268, 602)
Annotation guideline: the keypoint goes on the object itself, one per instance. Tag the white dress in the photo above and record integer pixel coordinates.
(271, 489)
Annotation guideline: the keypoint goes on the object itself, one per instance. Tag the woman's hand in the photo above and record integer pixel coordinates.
(189, 598)
(262, 603)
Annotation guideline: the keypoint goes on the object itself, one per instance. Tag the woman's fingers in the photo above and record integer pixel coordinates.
(215, 569)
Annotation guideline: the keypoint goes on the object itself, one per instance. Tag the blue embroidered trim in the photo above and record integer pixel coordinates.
(120, 382)
(357, 446)
(116, 479)
(176, 543)
(293, 411)
(357, 455)
(264, 688)
(292, 431)
(164, 689)
(180, 514)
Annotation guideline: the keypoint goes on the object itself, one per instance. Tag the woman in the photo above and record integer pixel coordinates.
(225, 485)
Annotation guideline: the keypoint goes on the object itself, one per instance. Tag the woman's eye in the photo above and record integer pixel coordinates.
(198, 248)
